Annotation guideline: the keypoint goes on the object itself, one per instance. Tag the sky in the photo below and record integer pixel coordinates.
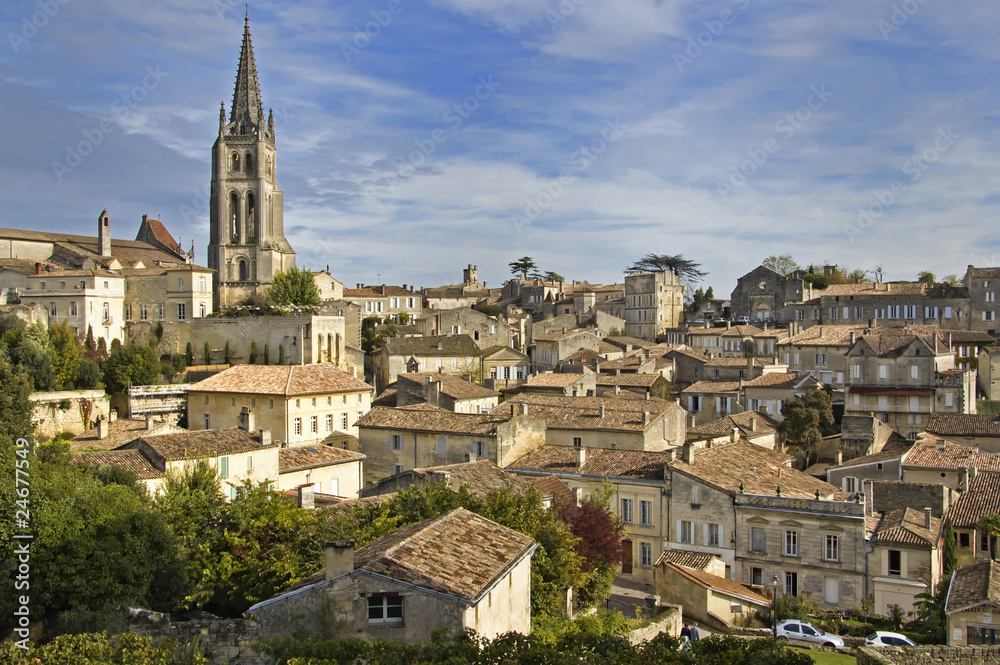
(414, 138)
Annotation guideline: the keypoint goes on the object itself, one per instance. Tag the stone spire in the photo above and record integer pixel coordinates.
(248, 111)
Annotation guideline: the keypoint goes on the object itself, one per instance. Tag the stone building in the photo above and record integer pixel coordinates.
(982, 285)
(486, 331)
(451, 354)
(760, 293)
(168, 294)
(654, 301)
(444, 391)
(974, 597)
(247, 244)
(397, 303)
(552, 347)
(906, 560)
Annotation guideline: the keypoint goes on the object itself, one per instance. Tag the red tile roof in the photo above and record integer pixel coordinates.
(286, 380)
(298, 458)
(907, 527)
(599, 462)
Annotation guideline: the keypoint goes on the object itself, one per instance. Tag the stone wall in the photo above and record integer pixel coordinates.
(67, 410)
(223, 641)
(893, 495)
(928, 655)
(667, 621)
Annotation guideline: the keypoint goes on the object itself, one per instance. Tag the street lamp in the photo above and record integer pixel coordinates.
(774, 607)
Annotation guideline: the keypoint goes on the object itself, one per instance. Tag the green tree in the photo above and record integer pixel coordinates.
(949, 558)
(158, 331)
(293, 287)
(33, 353)
(253, 353)
(989, 525)
(90, 344)
(88, 374)
(66, 355)
(15, 423)
(522, 266)
(550, 276)
(686, 270)
(710, 294)
(927, 277)
(102, 348)
(208, 353)
(267, 354)
(281, 354)
(951, 280)
(226, 354)
(189, 354)
(804, 419)
(783, 265)
(132, 364)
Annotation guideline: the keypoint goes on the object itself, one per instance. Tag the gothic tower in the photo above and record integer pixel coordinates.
(247, 243)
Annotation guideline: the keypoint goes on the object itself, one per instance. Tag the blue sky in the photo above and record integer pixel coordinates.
(583, 133)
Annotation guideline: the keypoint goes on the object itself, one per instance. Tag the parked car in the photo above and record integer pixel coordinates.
(883, 638)
(743, 320)
(803, 632)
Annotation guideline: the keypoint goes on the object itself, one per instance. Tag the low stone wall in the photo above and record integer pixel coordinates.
(928, 655)
(223, 641)
(67, 410)
(667, 621)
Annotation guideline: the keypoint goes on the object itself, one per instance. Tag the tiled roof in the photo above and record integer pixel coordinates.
(713, 387)
(202, 443)
(452, 386)
(561, 412)
(555, 489)
(345, 507)
(97, 272)
(434, 345)
(926, 453)
(287, 380)
(161, 233)
(558, 335)
(630, 362)
(599, 462)
(82, 245)
(906, 526)
(758, 470)
(621, 341)
(727, 362)
(974, 585)
(983, 272)
(634, 380)
(367, 292)
(724, 426)
(964, 424)
(458, 553)
(497, 348)
(866, 288)
(387, 397)
(778, 380)
(297, 458)
(131, 460)
(120, 431)
(742, 331)
(482, 476)
(695, 560)
(553, 380)
(889, 345)
(709, 581)
(982, 498)
(434, 420)
(890, 452)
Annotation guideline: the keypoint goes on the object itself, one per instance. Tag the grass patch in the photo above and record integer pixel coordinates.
(829, 658)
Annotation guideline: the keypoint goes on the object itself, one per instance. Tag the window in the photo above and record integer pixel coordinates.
(397, 469)
(914, 371)
(832, 551)
(758, 540)
(791, 543)
(481, 449)
(313, 425)
(180, 311)
(626, 511)
(687, 532)
(52, 309)
(107, 312)
(714, 535)
(208, 421)
(223, 467)
(883, 372)
(201, 310)
(895, 567)
(163, 312)
(694, 403)
(947, 312)
(442, 445)
(909, 311)
(201, 284)
(143, 313)
(963, 540)
(646, 513)
(396, 441)
(645, 554)
(72, 309)
(577, 441)
(988, 316)
(757, 577)
(791, 584)
(385, 609)
(850, 484)
(297, 426)
(343, 421)
(948, 399)
(329, 422)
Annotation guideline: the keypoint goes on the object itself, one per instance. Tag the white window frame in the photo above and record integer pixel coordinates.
(626, 511)
(645, 513)
(791, 542)
(831, 547)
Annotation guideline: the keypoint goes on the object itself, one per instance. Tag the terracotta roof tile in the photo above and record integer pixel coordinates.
(983, 498)
(964, 424)
(435, 345)
(131, 460)
(553, 380)
(713, 387)
(975, 585)
(598, 462)
(452, 386)
(554, 489)
(869, 289)
(631, 380)
(709, 581)
(431, 420)
(906, 526)
(695, 560)
(561, 412)
(926, 453)
(120, 431)
(201, 443)
(297, 458)
(286, 380)
(724, 426)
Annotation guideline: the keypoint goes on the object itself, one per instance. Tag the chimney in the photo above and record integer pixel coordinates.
(149, 422)
(577, 496)
(869, 487)
(38, 268)
(339, 558)
(104, 233)
(470, 457)
(927, 518)
(102, 428)
(838, 457)
(440, 346)
(113, 415)
(753, 424)
(687, 453)
(734, 436)
(581, 457)
(246, 419)
(941, 445)
(691, 420)
(949, 340)
(434, 392)
(645, 418)
(522, 409)
(265, 437)
(307, 496)
(602, 410)
(854, 337)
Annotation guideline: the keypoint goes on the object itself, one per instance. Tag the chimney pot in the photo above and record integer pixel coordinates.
(581, 457)
(102, 428)
(339, 558)
(307, 496)
(602, 410)
(927, 518)
(687, 453)
(246, 419)
(265, 437)
(753, 424)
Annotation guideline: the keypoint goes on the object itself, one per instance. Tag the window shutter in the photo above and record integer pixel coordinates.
(722, 535)
(678, 531)
(390, 441)
(704, 534)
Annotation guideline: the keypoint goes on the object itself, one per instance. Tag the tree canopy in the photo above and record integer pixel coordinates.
(804, 420)
(522, 266)
(782, 265)
(133, 364)
(293, 287)
(685, 269)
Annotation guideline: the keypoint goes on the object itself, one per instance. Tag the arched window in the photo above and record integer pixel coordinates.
(235, 166)
(234, 217)
(242, 265)
(251, 218)
(248, 163)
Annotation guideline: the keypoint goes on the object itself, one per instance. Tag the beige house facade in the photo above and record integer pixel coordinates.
(329, 470)
(82, 299)
(906, 560)
(654, 301)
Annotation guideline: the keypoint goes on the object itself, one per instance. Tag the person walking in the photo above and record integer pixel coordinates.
(686, 631)
(695, 634)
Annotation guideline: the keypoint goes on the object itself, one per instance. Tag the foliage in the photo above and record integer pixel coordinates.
(686, 270)
(102, 348)
(804, 417)
(487, 308)
(293, 287)
(951, 280)
(522, 266)
(99, 649)
(158, 331)
(90, 345)
(189, 354)
(178, 363)
(281, 354)
(949, 558)
(818, 281)
(616, 332)
(208, 353)
(931, 618)
(267, 353)
(788, 606)
(988, 407)
(927, 277)
(550, 276)
(783, 265)
(253, 353)
(227, 357)
(88, 374)
(131, 364)
(989, 525)
(66, 355)
(15, 423)
(30, 348)
(896, 615)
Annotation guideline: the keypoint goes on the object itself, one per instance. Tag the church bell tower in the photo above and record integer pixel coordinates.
(247, 244)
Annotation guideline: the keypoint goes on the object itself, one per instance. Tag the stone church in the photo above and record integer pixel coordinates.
(247, 244)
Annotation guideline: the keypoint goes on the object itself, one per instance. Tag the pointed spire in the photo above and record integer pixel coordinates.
(248, 112)
(222, 117)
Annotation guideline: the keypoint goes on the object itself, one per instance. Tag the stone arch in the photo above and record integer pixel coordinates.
(251, 217)
(234, 217)
(234, 162)
(248, 164)
(242, 269)
(761, 311)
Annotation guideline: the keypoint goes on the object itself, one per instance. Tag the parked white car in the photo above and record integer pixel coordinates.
(803, 632)
(883, 638)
